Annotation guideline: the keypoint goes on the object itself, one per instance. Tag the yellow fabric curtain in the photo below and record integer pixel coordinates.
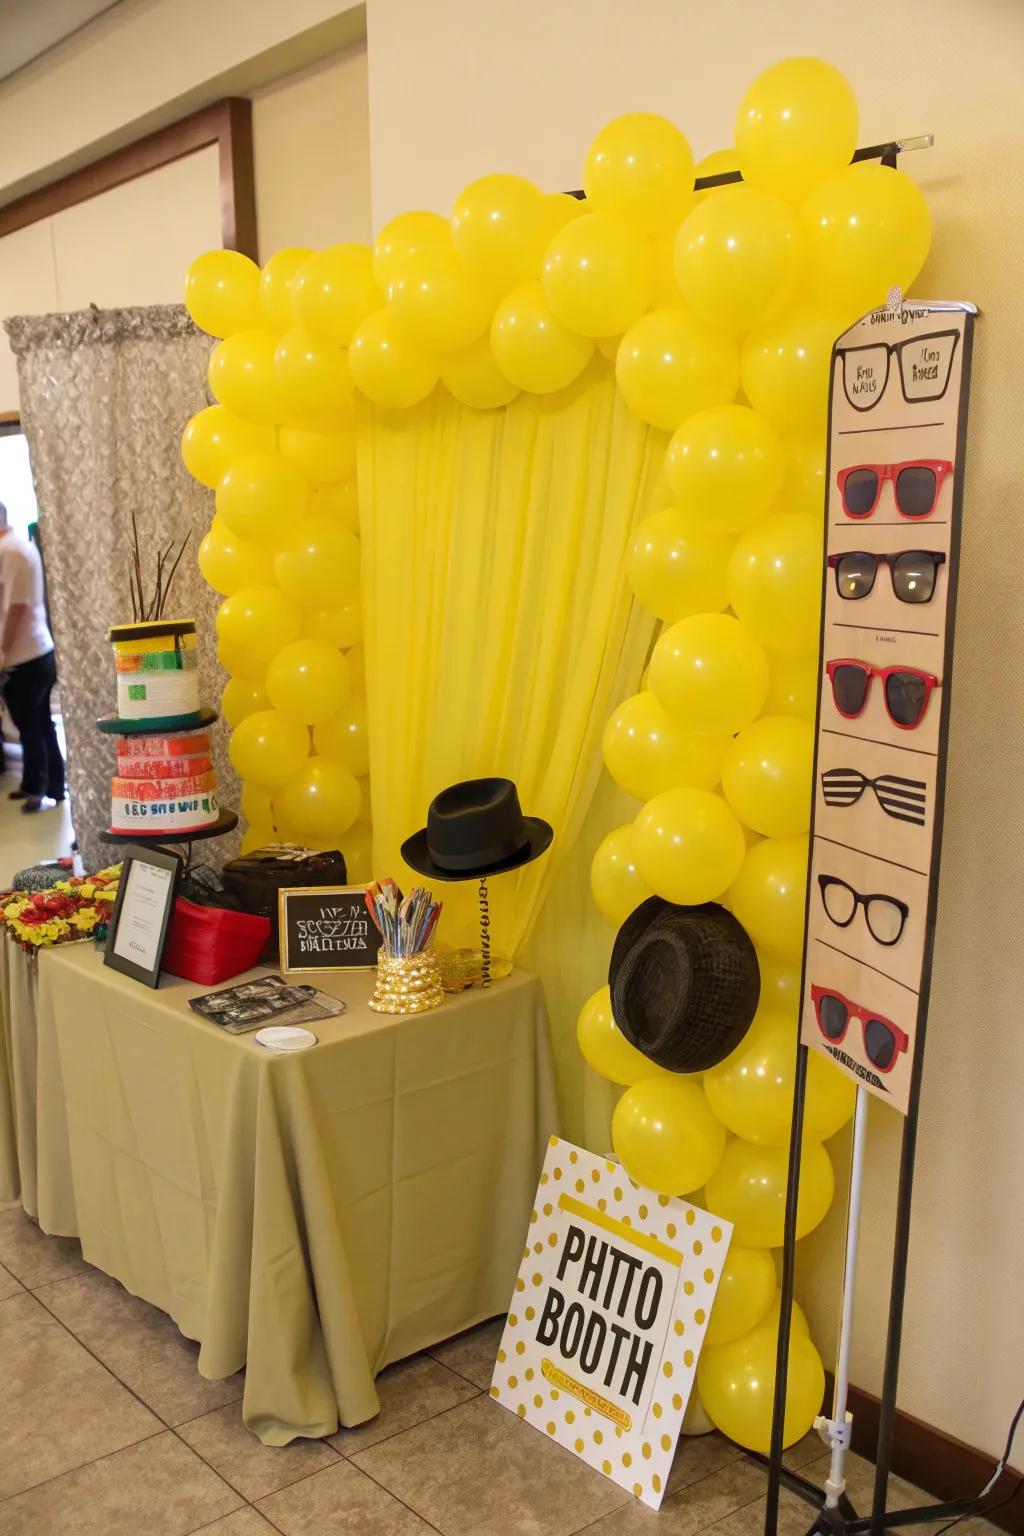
(499, 635)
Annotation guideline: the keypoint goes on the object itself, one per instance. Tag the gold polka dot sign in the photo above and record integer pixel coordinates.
(608, 1317)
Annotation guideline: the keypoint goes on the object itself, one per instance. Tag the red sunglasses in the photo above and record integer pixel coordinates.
(905, 689)
(883, 1040)
(916, 485)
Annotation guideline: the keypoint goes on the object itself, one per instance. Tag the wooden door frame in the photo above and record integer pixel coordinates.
(226, 123)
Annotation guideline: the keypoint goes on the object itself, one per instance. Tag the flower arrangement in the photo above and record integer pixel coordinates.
(77, 908)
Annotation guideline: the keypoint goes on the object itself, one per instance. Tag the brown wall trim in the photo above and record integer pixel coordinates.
(933, 1460)
(227, 123)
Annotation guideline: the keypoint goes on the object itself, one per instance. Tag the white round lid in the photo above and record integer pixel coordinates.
(285, 1037)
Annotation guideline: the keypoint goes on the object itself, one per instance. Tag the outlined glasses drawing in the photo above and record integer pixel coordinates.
(902, 799)
(916, 486)
(913, 573)
(885, 916)
(923, 363)
(884, 1041)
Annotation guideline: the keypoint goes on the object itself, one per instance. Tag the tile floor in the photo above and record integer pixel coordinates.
(24, 840)
(107, 1429)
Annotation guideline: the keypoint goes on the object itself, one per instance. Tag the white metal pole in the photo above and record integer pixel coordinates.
(837, 1430)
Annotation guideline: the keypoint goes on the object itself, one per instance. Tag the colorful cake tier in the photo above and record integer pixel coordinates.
(156, 669)
(164, 783)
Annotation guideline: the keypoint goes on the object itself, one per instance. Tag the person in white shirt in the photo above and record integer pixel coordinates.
(30, 668)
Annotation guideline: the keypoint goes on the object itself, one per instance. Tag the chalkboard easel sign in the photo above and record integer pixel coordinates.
(326, 928)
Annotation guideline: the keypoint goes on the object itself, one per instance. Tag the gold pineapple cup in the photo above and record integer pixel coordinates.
(409, 984)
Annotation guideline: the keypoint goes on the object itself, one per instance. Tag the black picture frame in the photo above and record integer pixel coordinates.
(135, 859)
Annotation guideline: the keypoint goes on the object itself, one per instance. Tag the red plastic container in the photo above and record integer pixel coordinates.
(210, 944)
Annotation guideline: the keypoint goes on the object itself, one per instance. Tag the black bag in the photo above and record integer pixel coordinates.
(255, 879)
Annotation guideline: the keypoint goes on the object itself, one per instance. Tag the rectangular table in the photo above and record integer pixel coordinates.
(312, 1217)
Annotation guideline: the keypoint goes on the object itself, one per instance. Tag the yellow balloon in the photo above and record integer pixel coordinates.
(214, 438)
(710, 673)
(404, 235)
(718, 163)
(766, 775)
(695, 1420)
(775, 581)
(751, 1091)
(796, 124)
(561, 207)
(677, 565)
(276, 285)
(780, 985)
(340, 626)
(646, 751)
(358, 851)
(322, 456)
(262, 834)
(252, 626)
(473, 377)
(608, 346)
(312, 375)
(805, 488)
(260, 496)
(318, 562)
(340, 501)
(320, 801)
(533, 349)
(222, 293)
(689, 846)
(640, 169)
(500, 226)
(386, 366)
(737, 256)
(737, 1384)
(666, 1136)
(746, 1289)
(665, 290)
(598, 275)
(241, 375)
(867, 229)
(257, 804)
(670, 364)
(242, 696)
(268, 748)
(334, 291)
(438, 300)
(785, 366)
(793, 689)
(797, 1318)
(726, 464)
(615, 881)
(365, 809)
(344, 737)
(604, 1046)
(228, 562)
(769, 895)
(749, 1186)
(308, 681)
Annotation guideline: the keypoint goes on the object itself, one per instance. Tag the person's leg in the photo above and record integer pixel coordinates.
(21, 698)
(53, 778)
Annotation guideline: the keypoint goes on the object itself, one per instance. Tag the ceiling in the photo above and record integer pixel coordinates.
(31, 27)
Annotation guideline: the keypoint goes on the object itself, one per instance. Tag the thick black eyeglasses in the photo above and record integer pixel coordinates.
(924, 364)
(885, 916)
(903, 799)
(913, 573)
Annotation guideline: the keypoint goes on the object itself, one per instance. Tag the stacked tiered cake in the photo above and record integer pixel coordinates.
(165, 779)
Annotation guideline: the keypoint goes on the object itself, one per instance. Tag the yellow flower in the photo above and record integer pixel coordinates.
(105, 896)
(87, 891)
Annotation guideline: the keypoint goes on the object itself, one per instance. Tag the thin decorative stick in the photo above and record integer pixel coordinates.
(174, 567)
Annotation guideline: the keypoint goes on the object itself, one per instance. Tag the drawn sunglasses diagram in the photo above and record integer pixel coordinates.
(923, 364)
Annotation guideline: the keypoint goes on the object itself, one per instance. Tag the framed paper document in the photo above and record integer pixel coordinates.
(142, 912)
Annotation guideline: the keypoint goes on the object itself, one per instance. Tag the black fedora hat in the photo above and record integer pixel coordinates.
(684, 983)
(473, 829)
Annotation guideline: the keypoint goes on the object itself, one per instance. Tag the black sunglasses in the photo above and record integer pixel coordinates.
(885, 916)
(913, 573)
(903, 799)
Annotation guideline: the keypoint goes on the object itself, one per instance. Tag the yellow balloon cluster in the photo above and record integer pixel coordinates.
(759, 277)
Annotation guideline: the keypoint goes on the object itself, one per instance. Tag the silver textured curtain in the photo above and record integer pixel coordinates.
(105, 396)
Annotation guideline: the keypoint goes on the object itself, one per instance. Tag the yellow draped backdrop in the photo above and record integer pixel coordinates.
(499, 634)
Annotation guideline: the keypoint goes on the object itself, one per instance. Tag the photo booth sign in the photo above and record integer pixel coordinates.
(609, 1313)
(897, 430)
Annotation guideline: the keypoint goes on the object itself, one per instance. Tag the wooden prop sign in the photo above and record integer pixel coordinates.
(608, 1317)
(326, 928)
(898, 419)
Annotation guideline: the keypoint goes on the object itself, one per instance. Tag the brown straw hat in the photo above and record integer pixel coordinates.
(684, 983)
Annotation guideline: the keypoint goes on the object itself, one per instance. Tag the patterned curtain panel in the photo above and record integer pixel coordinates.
(105, 396)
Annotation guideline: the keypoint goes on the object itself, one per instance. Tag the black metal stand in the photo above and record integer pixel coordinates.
(227, 821)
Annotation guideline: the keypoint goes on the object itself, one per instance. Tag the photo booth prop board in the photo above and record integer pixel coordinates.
(608, 1317)
(326, 928)
(899, 391)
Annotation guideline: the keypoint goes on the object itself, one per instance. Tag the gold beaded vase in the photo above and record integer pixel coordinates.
(407, 984)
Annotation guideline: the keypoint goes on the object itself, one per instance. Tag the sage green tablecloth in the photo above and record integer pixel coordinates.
(311, 1217)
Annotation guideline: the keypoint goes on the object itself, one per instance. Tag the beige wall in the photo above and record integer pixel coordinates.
(460, 87)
